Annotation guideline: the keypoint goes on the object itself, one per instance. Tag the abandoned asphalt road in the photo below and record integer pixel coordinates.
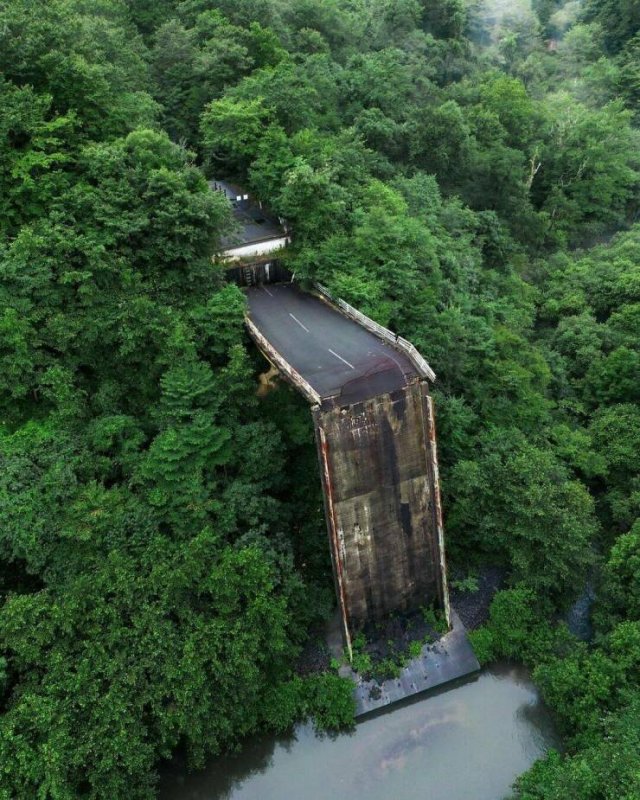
(335, 355)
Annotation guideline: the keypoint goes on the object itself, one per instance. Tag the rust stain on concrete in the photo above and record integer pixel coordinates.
(379, 468)
(383, 504)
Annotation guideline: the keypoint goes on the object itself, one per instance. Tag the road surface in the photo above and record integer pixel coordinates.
(334, 354)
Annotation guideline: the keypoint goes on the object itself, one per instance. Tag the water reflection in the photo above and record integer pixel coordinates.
(468, 743)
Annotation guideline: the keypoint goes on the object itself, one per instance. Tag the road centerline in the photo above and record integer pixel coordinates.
(295, 319)
(344, 360)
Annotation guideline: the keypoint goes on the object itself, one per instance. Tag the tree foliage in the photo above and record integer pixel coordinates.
(450, 172)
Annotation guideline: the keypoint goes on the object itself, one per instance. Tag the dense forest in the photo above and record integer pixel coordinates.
(465, 172)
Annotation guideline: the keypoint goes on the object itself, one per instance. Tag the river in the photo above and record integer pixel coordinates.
(467, 743)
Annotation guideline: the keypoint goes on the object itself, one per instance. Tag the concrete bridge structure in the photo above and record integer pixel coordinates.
(375, 433)
(376, 439)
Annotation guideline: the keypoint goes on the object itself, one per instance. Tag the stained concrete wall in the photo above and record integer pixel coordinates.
(382, 501)
(257, 272)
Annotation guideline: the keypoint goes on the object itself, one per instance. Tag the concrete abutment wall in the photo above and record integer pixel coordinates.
(382, 501)
(379, 468)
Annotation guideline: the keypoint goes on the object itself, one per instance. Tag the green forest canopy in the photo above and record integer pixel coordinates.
(465, 173)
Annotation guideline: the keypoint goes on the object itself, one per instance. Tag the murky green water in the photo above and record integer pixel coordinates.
(468, 743)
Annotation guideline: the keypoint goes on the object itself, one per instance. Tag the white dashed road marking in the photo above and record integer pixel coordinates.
(341, 358)
(295, 319)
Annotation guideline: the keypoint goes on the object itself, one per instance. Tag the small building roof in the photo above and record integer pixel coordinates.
(255, 223)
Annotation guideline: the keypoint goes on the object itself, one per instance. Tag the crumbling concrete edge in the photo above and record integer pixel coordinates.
(332, 530)
(432, 465)
(448, 661)
(281, 364)
(418, 361)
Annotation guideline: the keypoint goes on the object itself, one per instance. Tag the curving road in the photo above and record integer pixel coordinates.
(334, 354)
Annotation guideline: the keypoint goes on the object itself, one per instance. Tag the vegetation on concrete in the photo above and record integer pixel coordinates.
(465, 175)
(380, 652)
